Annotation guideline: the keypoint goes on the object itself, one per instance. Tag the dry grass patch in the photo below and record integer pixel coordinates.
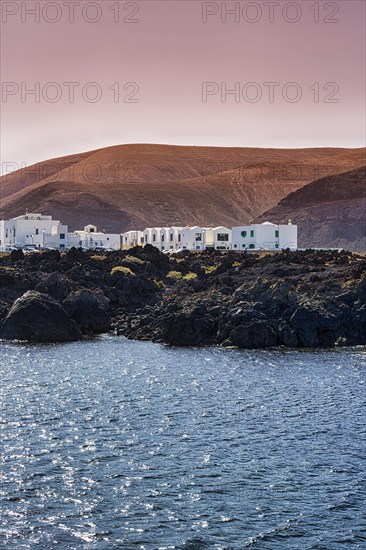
(122, 269)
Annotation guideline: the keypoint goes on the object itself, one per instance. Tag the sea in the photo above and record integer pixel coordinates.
(118, 444)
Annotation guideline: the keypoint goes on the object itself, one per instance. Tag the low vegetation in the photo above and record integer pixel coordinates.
(190, 276)
(122, 269)
(175, 275)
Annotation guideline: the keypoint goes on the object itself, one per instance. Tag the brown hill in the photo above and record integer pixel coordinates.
(134, 186)
(329, 212)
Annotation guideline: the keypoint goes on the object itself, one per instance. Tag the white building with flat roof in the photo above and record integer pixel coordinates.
(265, 236)
(33, 229)
(91, 238)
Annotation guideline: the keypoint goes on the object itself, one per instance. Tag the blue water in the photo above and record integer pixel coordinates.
(131, 445)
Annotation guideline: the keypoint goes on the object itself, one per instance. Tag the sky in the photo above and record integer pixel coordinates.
(237, 73)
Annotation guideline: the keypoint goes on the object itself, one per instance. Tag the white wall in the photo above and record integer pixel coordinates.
(222, 237)
(132, 238)
(264, 236)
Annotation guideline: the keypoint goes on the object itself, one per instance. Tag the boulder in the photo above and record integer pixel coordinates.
(89, 309)
(37, 317)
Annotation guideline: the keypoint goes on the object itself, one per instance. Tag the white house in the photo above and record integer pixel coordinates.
(147, 235)
(218, 238)
(33, 229)
(132, 238)
(91, 238)
(173, 237)
(265, 236)
(193, 238)
(201, 238)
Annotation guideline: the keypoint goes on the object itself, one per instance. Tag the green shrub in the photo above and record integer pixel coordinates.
(122, 269)
(175, 275)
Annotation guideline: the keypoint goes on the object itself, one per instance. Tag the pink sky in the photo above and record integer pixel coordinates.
(170, 52)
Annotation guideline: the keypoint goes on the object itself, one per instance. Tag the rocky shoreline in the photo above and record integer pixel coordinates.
(298, 299)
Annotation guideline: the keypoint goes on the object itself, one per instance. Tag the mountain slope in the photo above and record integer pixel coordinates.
(329, 212)
(134, 186)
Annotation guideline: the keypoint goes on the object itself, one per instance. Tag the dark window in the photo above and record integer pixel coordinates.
(277, 245)
(222, 237)
(243, 233)
(198, 237)
(62, 235)
(154, 238)
(142, 240)
(277, 234)
(145, 238)
(171, 237)
(252, 233)
(235, 246)
(252, 246)
(62, 246)
(37, 231)
(179, 237)
(107, 238)
(162, 238)
(91, 230)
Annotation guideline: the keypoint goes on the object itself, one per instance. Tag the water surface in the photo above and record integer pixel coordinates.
(132, 445)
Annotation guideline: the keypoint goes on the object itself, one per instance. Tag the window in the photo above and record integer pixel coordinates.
(243, 245)
(162, 238)
(277, 233)
(222, 237)
(107, 238)
(277, 245)
(243, 234)
(141, 240)
(154, 238)
(198, 237)
(171, 237)
(62, 235)
(62, 246)
(235, 246)
(145, 238)
(252, 246)
(179, 238)
(37, 231)
(252, 233)
(91, 230)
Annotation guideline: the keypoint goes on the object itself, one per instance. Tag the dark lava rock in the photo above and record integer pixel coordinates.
(17, 255)
(37, 317)
(56, 285)
(256, 335)
(89, 309)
